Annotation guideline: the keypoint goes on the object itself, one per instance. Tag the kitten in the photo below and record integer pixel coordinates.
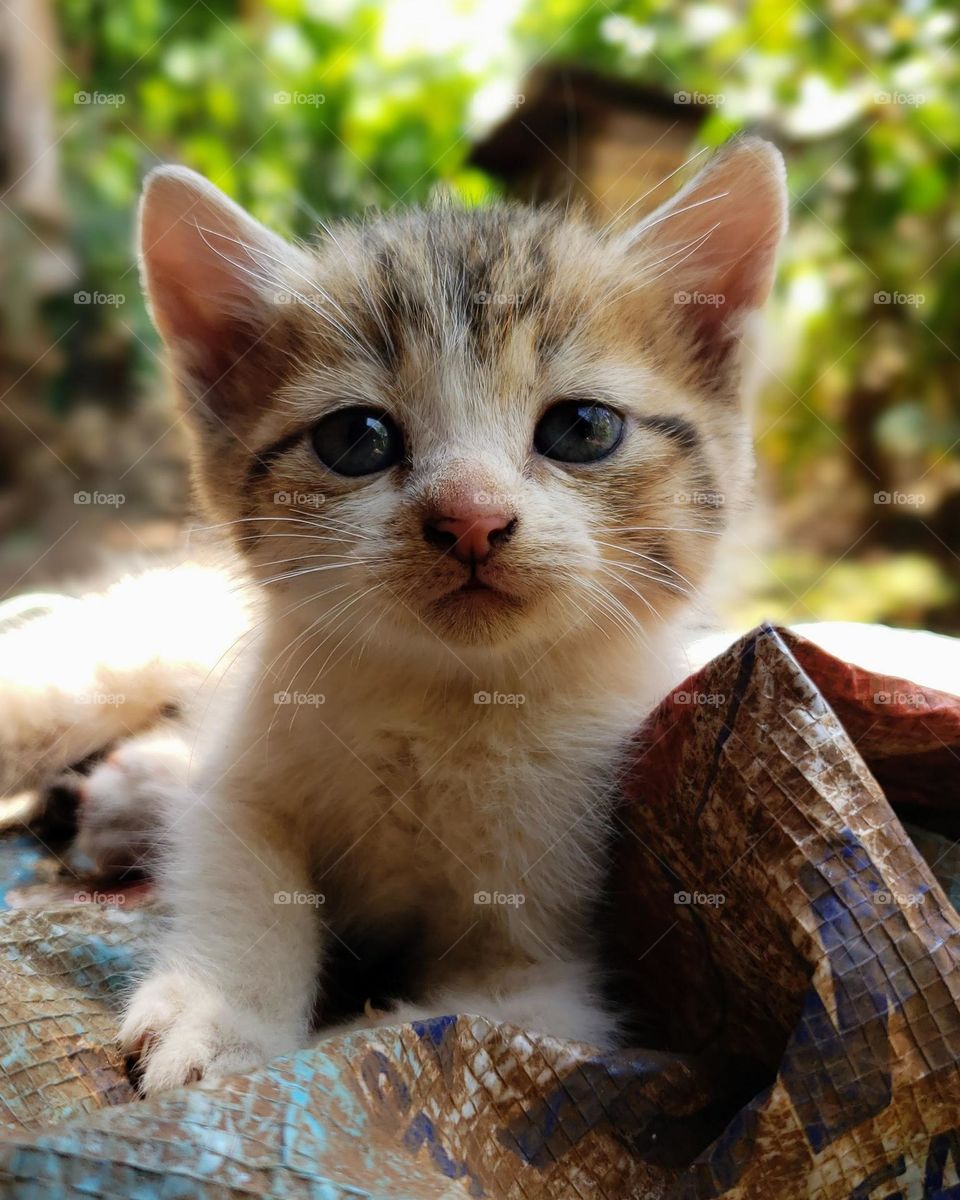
(477, 464)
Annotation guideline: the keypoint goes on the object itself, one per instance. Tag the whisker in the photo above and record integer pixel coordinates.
(294, 558)
(661, 581)
(287, 650)
(650, 558)
(704, 529)
(285, 575)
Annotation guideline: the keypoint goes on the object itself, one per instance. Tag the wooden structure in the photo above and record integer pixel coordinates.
(576, 134)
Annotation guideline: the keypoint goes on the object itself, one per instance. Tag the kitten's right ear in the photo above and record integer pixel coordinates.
(213, 278)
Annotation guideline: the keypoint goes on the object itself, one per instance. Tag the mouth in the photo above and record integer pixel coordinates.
(477, 589)
(474, 584)
(477, 597)
(479, 611)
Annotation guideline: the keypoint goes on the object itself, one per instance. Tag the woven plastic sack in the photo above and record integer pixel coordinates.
(774, 931)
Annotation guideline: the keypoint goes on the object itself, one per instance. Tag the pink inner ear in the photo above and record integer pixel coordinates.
(714, 244)
(207, 321)
(735, 261)
(212, 276)
(209, 269)
(192, 294)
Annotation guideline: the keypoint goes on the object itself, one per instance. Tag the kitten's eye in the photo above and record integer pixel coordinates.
(357, 441)
(578, 431)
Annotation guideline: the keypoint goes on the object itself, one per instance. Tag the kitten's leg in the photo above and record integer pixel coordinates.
(235, 975)
(556, 998)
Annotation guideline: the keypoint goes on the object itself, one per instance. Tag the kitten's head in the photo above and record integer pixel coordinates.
(485, 428)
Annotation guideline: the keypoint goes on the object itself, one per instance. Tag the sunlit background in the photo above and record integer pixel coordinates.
(300, 109)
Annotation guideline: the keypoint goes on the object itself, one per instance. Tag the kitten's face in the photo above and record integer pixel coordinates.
(491, 429)
(511, 384)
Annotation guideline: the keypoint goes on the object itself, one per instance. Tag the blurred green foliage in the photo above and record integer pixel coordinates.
(299, 108)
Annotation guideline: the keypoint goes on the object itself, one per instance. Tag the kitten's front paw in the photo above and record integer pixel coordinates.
(181, 1030)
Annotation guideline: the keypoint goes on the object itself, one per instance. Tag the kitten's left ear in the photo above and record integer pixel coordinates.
(714, 243)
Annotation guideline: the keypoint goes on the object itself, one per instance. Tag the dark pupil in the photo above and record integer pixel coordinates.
(357, 441)
(574, 431)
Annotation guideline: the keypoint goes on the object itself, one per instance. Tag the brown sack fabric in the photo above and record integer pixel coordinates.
(783, 946)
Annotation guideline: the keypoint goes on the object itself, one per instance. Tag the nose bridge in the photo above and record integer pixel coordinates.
(468, 486)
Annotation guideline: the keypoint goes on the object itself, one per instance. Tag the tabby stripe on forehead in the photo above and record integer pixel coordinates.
(389, 312)
(468, 287)
(675, 428)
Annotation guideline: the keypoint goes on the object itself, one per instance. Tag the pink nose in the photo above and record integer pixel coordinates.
(469, 535)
